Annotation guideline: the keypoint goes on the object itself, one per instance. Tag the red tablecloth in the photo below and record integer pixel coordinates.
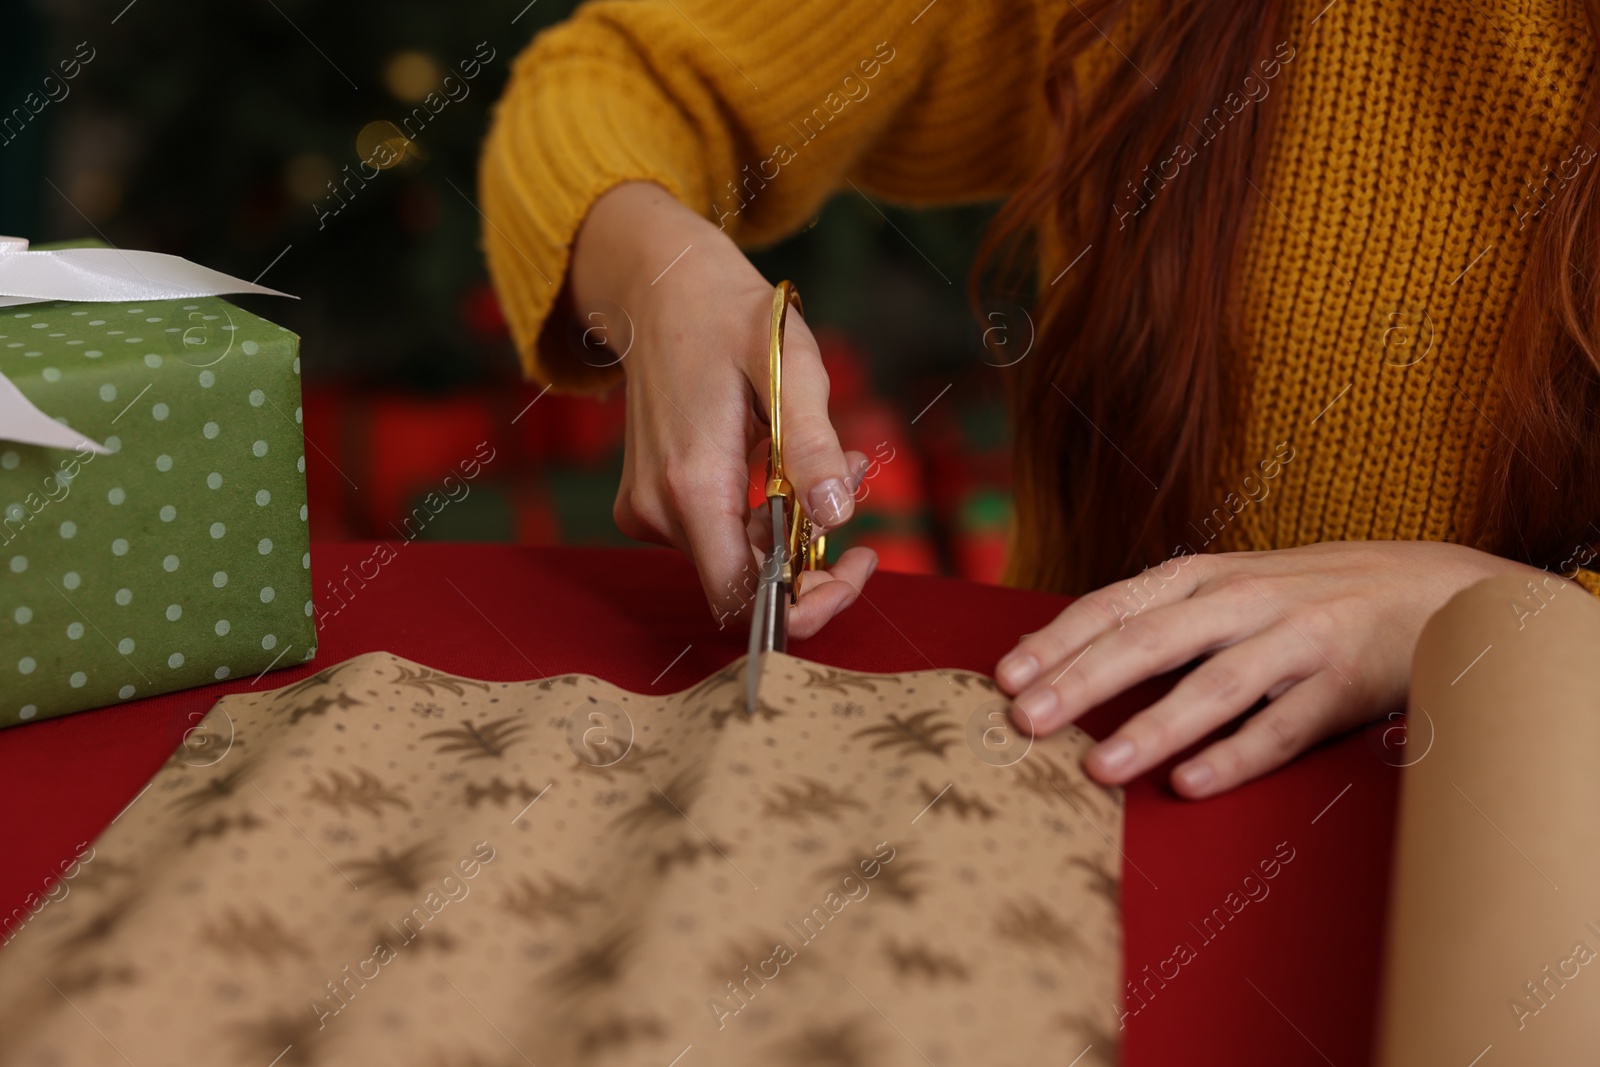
(1284, 972)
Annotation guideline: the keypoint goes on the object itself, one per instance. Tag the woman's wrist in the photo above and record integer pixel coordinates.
(632, 235)
(639, 246)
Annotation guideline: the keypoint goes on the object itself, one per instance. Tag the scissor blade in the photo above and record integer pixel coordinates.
(778, 598)
(754, 661)
(769, 617)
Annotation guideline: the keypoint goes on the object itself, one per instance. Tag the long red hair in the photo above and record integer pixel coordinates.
(1120, 412)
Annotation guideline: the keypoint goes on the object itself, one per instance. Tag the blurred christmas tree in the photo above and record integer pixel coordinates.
(227, 133)
(212, 131)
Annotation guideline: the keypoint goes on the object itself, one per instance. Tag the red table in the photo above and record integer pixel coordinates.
(1281, 971)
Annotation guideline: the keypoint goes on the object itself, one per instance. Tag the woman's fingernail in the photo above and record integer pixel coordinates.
(1017, 670)
(830, 503)
(872, 568)
(859, 475)
(1114, 755)
(1039, 707)
(1195, 777)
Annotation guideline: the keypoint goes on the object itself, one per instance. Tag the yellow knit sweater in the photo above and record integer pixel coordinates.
(1415, 143)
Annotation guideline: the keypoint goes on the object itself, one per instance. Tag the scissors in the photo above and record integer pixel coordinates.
(795, 546)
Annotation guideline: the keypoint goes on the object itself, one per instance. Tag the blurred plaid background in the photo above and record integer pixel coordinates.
(211, 130)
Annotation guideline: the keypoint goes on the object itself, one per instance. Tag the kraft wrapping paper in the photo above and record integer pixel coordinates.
(387, 864)
(1495, 916)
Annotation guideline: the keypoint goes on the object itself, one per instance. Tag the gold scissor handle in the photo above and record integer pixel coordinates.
(805, 550)
(783, 295)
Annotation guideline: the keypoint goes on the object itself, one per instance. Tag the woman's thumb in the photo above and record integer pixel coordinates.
(812, 459)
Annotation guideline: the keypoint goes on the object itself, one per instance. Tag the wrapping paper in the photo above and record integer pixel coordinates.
(1494, 928)
(101, 275)
(177, 556)
(387, 864)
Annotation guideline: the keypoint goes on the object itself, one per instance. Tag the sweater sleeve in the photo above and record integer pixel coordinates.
(752, 114)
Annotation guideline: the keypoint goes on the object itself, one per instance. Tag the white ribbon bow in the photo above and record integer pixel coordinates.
(91, 275)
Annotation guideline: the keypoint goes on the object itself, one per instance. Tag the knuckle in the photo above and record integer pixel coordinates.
(1239, 586)
(1147, 584)
(629, 510)
(801, 343)
(1150, 733)
(676, 477)
(1107, 607)
(812, 370)
(1228, 759)
(810, 440)
(1075, 684)
(684, 485)
(1220, 683)
(1045, 645)
(1176, 564)
(1281, 733)
(644, 512)
(1347, 673)
(1318, 622)
(622, 515)
(651, 531)
(1149, 640)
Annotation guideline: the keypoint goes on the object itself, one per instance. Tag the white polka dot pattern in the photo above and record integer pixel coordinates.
(152, 568)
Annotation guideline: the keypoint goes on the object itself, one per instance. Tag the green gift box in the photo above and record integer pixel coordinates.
(181, 556)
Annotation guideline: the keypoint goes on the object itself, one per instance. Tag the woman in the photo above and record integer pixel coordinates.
(1315, 295)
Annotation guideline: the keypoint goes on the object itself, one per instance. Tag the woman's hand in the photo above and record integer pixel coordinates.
(696, 374)
(1325, 633)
